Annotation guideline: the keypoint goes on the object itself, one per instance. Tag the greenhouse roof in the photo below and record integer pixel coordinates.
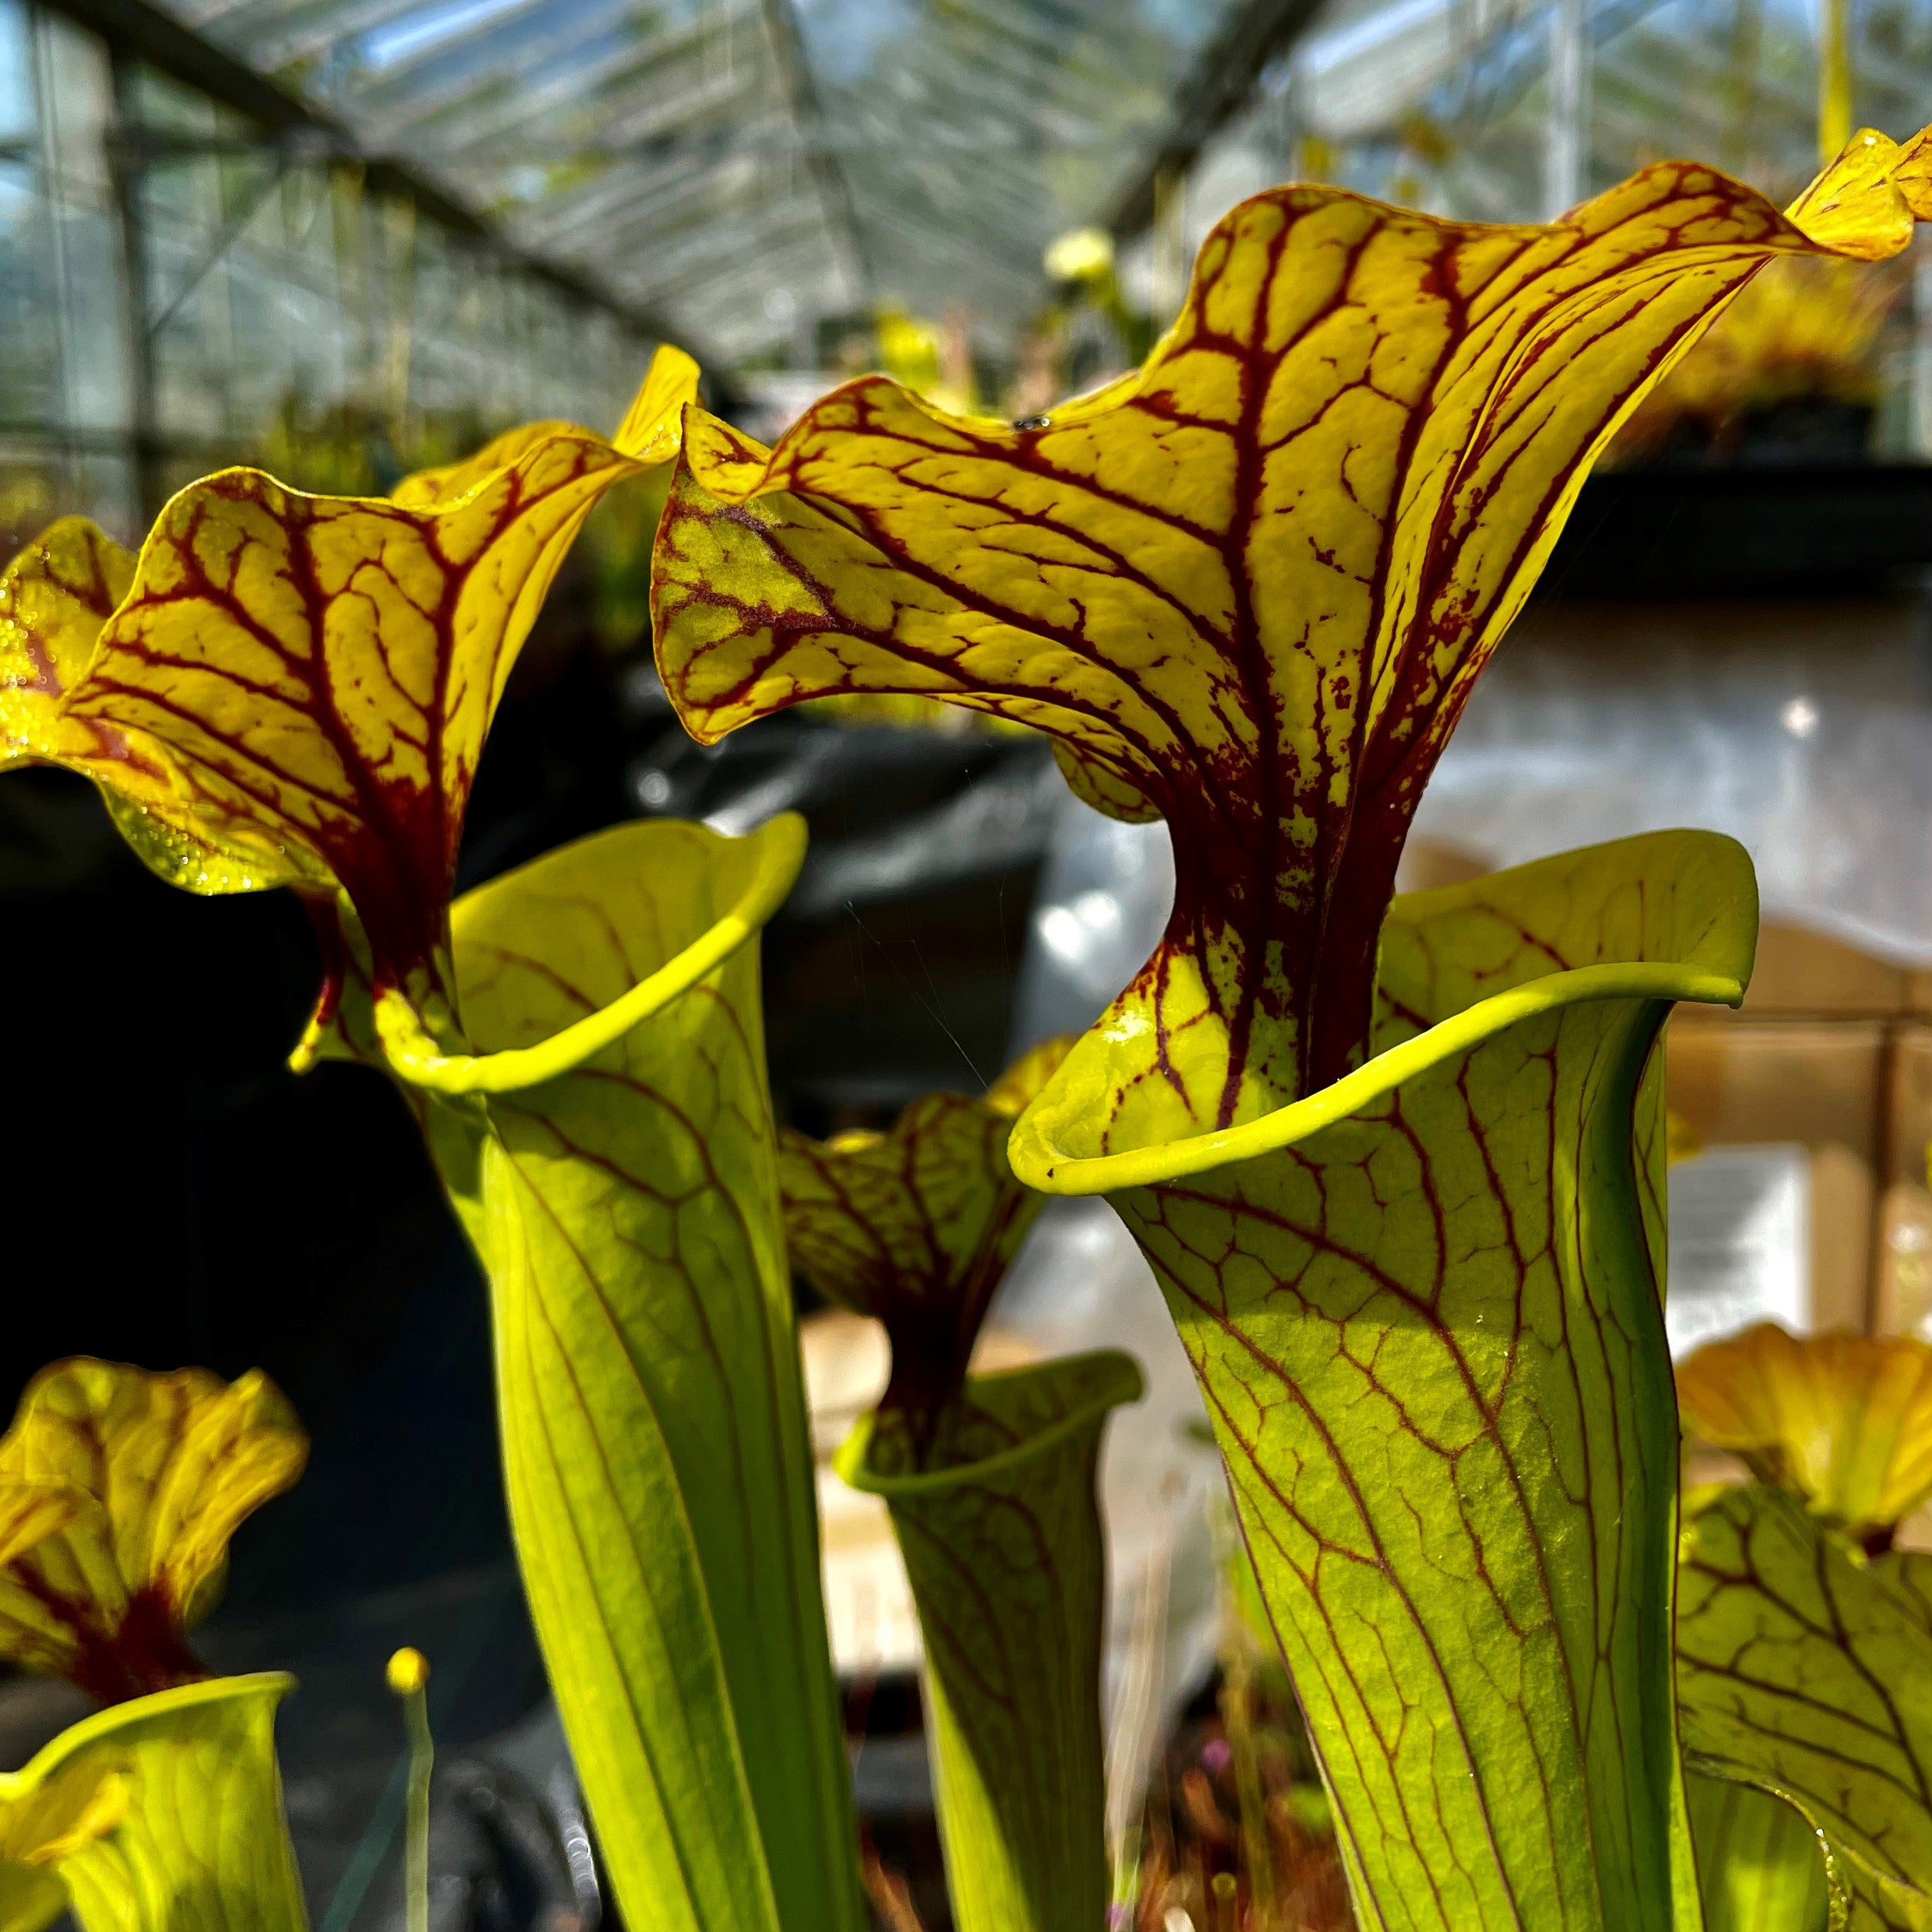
(735, 168)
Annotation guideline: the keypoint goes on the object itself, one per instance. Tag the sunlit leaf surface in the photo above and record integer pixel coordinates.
(1002, 1543)
(151, 1474)
(1845, 1420)
(296, 689)
(1424, 1311)
(1806, 1668)
(916, 1227)
(53, 598)
(1248, 588)
(173, 1813)
(619, 1186)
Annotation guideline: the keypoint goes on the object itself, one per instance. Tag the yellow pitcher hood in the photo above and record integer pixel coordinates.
(1249, 588)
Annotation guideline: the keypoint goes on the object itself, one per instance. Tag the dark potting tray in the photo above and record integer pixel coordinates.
(1670, 531)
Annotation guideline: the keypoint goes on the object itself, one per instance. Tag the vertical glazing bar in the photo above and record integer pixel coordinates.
(126, 170)
(1566, 139)
(74, 114)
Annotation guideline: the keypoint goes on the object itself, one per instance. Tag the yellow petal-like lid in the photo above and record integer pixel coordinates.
(916, 1226)
(284, 689)
(1249, 588)
(1845, 1420)
(119, 1491)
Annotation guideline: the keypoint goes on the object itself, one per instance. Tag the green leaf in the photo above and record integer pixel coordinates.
(198, 1840)
(1758, 1864)
(610, 1152)
(1422, 1307)
(1806, 1669)
(1003, 1545)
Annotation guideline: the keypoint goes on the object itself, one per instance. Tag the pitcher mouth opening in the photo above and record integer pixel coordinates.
(1058, 1144)
(105, 1726)
(775, 851)
(1106, 1378)
(1043, 1159)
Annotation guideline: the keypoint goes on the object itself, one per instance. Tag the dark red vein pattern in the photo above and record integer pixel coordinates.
(1802, 1667)
(1248, 590)
(161, 1470)
(317, 675)
(655, 1443)
(915, 1227)
(1431, 1339)
(1008, 1567)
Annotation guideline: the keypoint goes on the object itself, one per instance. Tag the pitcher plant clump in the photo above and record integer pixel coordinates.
(1381, 1158)
(1397, 1163)
(285, 690)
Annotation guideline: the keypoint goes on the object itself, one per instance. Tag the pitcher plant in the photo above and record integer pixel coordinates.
(1395, 1162)
(292, 689)
(1804, 1636)
(1381, 1158)
(119, 1490)
(990, 1482)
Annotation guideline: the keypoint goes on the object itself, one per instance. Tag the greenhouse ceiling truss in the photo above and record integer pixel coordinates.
(727, 172)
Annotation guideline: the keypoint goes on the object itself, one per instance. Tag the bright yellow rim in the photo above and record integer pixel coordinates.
(780, 847)
(104, 1725)
(1041, 1165)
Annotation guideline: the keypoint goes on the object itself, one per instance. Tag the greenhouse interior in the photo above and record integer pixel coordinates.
(1148, 1151)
